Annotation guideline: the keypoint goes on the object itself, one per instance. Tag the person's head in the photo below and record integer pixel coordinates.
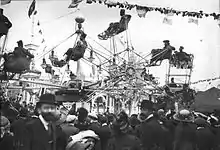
(63, 112)
(166, 42)
(20, 43)
(172, 80)
(146, 109)
(181, 48)
(82, 114)
(47, 107)
(1, 11)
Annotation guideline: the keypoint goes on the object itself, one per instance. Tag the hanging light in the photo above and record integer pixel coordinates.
(91, 58)
(80, 19)
(68, 69)
(44, 64)
(100, 69)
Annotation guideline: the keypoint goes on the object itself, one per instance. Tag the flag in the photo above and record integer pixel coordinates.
(4, 2)
(193, 20)
(167, 20)
(31, 8)
(74, 3)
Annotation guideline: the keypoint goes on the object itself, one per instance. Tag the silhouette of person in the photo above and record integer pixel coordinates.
(172, 84)
(20, 51)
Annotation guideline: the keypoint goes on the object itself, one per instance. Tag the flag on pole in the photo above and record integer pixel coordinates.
(193, 20)
(31, 8)
(4, 2)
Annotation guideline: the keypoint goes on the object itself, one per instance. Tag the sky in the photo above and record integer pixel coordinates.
(202, 40)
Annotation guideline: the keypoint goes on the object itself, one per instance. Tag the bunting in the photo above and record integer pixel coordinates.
(144, 9)
(32, 8)
(206, 80)
(5, 2)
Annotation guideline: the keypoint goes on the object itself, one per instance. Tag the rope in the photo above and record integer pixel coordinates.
(65, 15)
(55, 46)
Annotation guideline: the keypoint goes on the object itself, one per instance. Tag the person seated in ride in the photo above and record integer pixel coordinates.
(181, 55)
(78, 51)
(5, 24)
(167, 46)
(20, 51)
(172, 84)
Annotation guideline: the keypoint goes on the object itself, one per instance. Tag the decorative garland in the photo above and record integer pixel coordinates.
(142, 10)
(206, 80)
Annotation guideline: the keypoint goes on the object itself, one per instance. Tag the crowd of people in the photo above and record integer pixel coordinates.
(51, 126)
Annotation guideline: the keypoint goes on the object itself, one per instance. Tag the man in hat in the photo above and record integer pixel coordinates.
(167, 46)
(20, 51)
(42, 133)
(5, 24)
(150, 131)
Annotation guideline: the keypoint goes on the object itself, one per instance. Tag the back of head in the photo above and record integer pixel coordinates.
(82, 114)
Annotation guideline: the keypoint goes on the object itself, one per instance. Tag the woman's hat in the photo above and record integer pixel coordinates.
(184, 115)
(48, 99)
(80, 136)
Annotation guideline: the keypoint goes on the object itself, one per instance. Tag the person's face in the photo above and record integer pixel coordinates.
(48, 111)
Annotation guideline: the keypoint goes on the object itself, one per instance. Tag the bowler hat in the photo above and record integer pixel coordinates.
(48, 99)
(146, 104)
(166, 41)
(20, 42)
(181, 47)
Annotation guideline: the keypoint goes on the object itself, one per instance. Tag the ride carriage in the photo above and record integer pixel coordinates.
(158, 55)
(55, 61)
(15, 63)
(115, 28)
(182, 60)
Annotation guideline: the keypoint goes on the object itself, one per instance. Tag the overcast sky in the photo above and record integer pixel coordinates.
(202, 40)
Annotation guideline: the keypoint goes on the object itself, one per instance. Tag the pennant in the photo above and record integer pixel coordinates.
(31, 8)
(193, 20)
(167, 20)
(141, 11)
(5, 2)
(75, 3)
